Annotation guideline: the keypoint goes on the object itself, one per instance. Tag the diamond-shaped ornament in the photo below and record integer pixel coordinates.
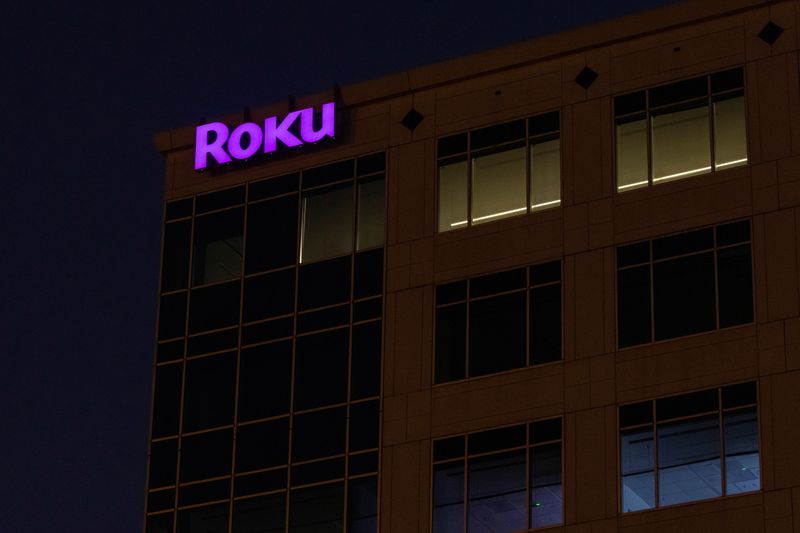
(770, 33)
(586, 77)
(412, 119)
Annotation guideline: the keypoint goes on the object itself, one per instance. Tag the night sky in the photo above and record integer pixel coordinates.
(87, 86)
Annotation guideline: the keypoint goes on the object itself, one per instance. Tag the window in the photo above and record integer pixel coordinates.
(680, 130)
(689, 447)
(500, 480)
(339, 215)
(500, 171)
(683, 284)
(498, 322)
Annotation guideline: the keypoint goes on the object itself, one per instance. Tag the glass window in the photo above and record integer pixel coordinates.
(690, 276)
(209, 519)
(679, 458)
(218, 246)
(320, 369)
(498, 184)
(453, 193)
(666, 133)
(271, 234)
(206, 455)
(362, 513)
(507, 175)
(265, 514)
(214, 307)
(317, 509)
(167, 400)
(208, 396)
(262, 445)
(371, 199)
(501, 471)
(327, 224)
(514, 320)
(265, 375)
(175, 263)
(159, 523)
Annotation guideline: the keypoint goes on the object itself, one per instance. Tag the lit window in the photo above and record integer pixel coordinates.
(499, 172)
(501, 480)
(498, 322)
(684, 284)
(689, 447)
(680, 130)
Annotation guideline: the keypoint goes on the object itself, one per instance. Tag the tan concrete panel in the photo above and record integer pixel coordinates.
(587, 153)
(410, 178)
(590, 463)
(405, 482)
(781, 264)
(773, 107)
(785, 428)
(686, 367)
(408, 340)
(589, 279)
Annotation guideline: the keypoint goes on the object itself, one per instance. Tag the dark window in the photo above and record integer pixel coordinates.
(210, 519)
(214, 307)
(512, 476)
(318, 471)
(209, 392)
(179, 209)
(220, 199)
(160, 523)
(320, 369)
(365, 379)
(213, 342)
(163, 463)
(679, 458)
(514, 320)
(167, 400)
(267, 331)
(271, 234)
(218, 246)
(175, 264)
(170, 351)
(680, 130)
(265, 514)
(262, 445)
(689, 278)
(206, 455)
(324, 283)
(219, 489)
(260, 190)
(362, 513)
(275, 479)
(160, 500)
(269, 295)
(307, 429)
(172, 316)
(364, 421)
(500, 171)
(368, 275)
(265, 374)
(317, 509)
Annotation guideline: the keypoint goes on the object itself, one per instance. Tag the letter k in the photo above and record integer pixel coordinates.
(273, 132)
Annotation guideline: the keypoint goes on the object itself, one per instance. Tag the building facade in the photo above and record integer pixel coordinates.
(551, 286)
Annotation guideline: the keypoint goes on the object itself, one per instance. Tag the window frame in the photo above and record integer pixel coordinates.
(528, 447)
(647, 114)
(469, 155)
(468, 298)
(715, 249)
(654, 424)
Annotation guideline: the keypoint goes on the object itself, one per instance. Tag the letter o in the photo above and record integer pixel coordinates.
(235, 147)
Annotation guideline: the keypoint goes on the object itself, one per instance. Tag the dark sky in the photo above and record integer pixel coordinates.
(84, 86)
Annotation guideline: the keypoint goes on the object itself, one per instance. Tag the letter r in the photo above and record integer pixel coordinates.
(203, 149)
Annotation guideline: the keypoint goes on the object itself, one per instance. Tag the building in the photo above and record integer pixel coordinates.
(553, 285)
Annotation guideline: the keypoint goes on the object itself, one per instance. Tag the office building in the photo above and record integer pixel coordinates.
(550, 286)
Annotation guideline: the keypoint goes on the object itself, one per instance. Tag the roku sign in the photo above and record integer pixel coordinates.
(216, 140)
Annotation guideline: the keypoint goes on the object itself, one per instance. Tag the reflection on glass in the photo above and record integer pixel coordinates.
(742, 467)
(317, 509)
(265, 514)
(370, 214)
(498, 185)
(631, 154)
(327, 224)
(689, 460)
(218, 246)
(546, 488)
(545, 174)
(497, 493)
(730, 133)
(452, 196)
(448, 497)
(362, 514)
(211, 519)
(681, 144)
(638, 477)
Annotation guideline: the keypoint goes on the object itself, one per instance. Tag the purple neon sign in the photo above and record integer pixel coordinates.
(216, 140)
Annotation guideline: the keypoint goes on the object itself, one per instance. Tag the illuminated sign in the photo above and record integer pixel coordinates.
(216, 140)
